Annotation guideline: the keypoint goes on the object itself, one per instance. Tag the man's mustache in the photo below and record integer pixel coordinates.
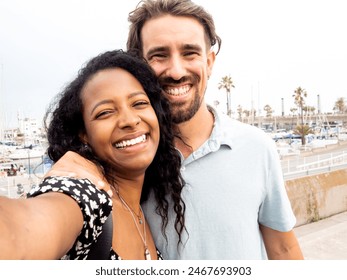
(186, 79)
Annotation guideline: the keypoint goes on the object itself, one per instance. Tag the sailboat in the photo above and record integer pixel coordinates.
(26, 153)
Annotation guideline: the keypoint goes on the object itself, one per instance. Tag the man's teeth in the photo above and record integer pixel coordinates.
(178, 91)
(131, 142)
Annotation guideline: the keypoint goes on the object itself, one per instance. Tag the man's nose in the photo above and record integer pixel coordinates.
(176, 68)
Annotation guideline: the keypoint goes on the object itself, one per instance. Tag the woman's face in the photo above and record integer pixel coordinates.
(121, 125)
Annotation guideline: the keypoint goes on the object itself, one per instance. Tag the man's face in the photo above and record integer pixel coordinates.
(176, 49)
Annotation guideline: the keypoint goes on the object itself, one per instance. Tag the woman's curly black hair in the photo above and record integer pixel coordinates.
(64, 123)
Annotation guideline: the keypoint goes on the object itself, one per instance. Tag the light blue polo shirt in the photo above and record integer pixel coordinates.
(233, 182)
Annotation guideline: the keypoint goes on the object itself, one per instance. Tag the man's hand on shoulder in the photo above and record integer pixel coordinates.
(76, 166)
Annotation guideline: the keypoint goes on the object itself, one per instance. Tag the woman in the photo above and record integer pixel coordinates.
(114, 115)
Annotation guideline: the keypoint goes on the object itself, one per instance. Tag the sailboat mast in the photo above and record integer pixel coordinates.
(2, 118)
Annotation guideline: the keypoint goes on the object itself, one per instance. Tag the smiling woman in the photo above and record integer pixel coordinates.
(115, 118)
(122, 128)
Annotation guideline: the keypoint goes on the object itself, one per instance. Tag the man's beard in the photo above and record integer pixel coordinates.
(180, 114)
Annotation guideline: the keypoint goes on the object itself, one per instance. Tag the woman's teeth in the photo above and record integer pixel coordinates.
(131, 142)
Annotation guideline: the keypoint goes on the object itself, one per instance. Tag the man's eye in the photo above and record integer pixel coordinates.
(157, 56)
(191, 53)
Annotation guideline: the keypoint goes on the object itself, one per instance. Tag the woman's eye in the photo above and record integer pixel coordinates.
(141, 103)
(102, 114)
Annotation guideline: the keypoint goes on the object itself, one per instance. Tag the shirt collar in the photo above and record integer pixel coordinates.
(220, 135)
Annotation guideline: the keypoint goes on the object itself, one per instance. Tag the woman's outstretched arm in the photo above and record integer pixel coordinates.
(42, 227)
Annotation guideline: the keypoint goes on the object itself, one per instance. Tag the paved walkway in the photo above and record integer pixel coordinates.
(325, 239)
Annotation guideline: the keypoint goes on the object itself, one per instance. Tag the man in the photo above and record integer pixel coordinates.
(236, 202)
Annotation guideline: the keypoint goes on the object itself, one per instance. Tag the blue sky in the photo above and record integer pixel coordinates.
(269, 49)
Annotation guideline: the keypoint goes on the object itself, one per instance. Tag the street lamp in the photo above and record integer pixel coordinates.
(30, 147)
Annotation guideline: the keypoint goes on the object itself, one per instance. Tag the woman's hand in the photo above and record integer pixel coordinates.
(76, 166)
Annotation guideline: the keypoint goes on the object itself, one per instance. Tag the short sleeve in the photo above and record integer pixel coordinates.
(95, 204)
(276, 211)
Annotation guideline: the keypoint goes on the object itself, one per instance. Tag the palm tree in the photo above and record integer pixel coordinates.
(239, 112)
(340, 105)
(227, 83)
(302, 130)
(268, 110)
(299, 99)
(311, 109)
(293, 110)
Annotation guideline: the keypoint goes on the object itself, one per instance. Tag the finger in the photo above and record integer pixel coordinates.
(110, 192)
(102, 185)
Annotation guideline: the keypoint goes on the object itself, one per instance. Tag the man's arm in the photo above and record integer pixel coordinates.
(76, 166)
(281, 245)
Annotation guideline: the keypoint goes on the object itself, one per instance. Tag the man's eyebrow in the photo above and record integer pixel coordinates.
(154, 50)
(191, 47)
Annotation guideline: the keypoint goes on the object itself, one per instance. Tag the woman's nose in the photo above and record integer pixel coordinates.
(128, 119)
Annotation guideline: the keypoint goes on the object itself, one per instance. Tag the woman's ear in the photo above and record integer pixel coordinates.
(83, 137)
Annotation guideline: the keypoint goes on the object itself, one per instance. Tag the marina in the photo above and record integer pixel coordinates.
(27, 173)
(23, 158)
(29, 168)
(24, 161)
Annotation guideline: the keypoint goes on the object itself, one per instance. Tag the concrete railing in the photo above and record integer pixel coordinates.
(318, 196)
(314, 171)
(314, 164)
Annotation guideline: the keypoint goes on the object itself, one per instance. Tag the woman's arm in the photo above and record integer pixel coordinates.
(42, 227)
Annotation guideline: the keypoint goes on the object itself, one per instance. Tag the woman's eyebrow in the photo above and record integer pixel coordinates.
(106, 101)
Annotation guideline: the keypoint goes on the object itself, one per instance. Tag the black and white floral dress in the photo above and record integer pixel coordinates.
(95, 204)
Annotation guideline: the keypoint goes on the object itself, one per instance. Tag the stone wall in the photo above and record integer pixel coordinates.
(319, 196)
